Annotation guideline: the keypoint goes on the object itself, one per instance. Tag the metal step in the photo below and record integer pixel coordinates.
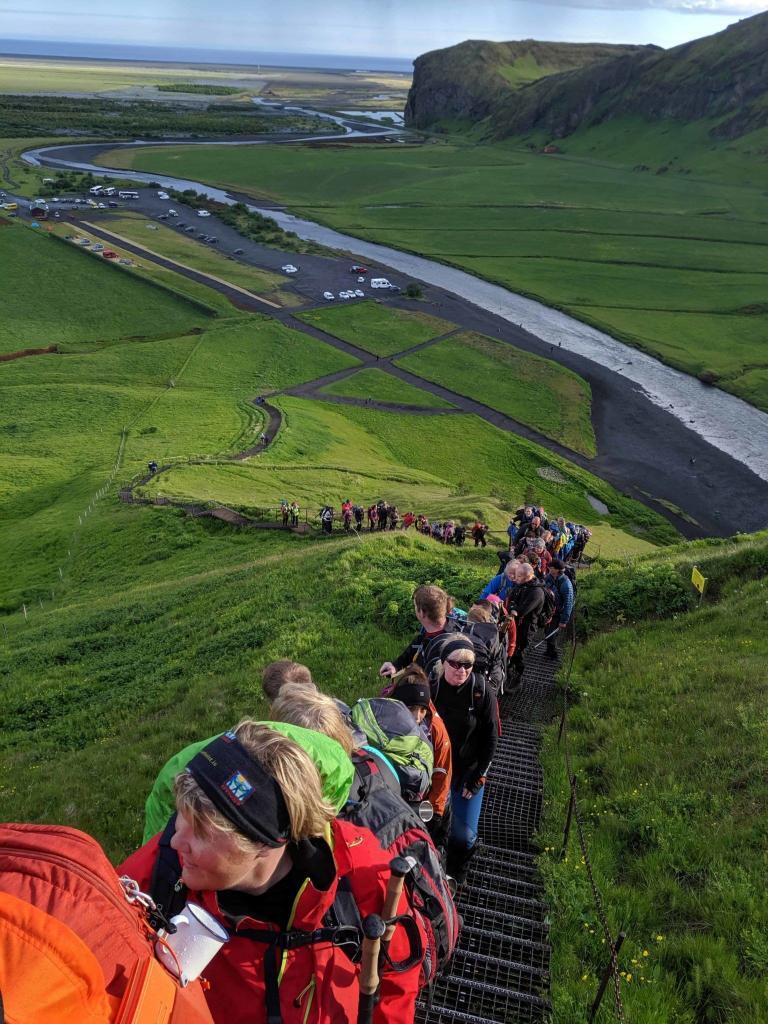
(490, 1002)
(492, 943)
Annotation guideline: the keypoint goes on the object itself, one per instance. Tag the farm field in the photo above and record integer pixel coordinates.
(53, 295)
(449, 466)
(178, 246)
(534, 391)
(61, 418)
(673, 263)
(376, 328)
(382, 387)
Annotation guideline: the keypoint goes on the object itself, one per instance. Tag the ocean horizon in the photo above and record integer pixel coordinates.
(187, 55)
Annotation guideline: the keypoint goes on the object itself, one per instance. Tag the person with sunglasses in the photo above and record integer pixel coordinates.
(469, 710)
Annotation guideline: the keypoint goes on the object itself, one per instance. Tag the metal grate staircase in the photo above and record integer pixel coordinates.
(500, 971)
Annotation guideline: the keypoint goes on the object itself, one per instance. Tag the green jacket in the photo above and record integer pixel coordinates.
(335, 768)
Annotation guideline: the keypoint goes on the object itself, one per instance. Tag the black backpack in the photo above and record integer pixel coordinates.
(490, 653)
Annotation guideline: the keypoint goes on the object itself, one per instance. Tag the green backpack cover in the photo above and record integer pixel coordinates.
(391, 728)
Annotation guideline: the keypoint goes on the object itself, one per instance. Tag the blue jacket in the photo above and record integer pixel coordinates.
(563, 591)
(501, 585)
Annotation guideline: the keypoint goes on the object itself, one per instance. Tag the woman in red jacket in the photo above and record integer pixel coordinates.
(259, 849)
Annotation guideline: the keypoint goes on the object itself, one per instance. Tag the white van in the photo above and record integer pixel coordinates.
(96, 190)
(380, 282)
(203, 213)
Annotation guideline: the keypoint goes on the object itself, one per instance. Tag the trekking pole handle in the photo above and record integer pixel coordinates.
(373, 932)
(398, 868)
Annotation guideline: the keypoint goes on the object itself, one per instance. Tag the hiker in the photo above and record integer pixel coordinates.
(346, 514)
(437, 531)
(523, 516)
(539, 548)
(373, 517)
(284, 512)
(358, 512)
(503, 583)
(526, 604)
(490, 653)
(277, 674)
(432, 607)
(528, 533)
(582, 536)
(394, 517)
(512, 532)
(459, 534)
(152, 467)
(263, 438)
(294, 510)
(448, 531)
(326, 519)
(479, 531)
(383, 510)
(469, 710)
(260, 849)
(408, 520)
(413, 690)
(560, 584)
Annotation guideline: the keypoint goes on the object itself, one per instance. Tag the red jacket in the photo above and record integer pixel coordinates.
(318, 983)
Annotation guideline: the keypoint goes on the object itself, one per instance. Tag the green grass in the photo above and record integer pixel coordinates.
(176, 245)
(377, 328)
(674, 262)
(54, 295)
(534, 391)
(668, 740)
(382, 387)
(61, 419)
(454, 465)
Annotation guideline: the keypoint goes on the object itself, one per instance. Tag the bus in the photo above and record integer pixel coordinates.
(109, 191)
(127, 195)
(96, 190)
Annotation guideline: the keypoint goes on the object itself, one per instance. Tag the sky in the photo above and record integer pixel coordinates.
(392, 28)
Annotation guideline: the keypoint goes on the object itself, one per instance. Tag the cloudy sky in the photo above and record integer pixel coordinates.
(395, 28)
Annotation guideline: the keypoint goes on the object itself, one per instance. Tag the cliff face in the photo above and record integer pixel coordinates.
(476, 79)
(721, 76)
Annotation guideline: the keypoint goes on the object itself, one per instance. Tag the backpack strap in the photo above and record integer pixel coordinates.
(166, 887)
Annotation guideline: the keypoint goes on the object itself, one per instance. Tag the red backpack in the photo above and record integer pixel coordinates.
(65, 875)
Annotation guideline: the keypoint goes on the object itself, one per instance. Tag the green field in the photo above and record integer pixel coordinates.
(52, 294)
(534, 391)
(382, 387)
(177, 245)
(458, 466)
(377, 328)
(675, 263)
(668, 738)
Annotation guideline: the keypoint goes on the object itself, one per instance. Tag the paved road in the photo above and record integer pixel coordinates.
(643, 450)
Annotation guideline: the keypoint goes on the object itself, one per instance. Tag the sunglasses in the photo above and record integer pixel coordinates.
(468, 665)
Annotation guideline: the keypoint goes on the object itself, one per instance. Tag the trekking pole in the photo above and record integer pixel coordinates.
(373, 930)
(547, 637)
(398, 868)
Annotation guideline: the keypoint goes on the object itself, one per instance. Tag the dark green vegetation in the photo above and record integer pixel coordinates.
(674, 264)
(474, 80)
(43, 115)
(532, 390)
(720, 78)
(200, 89)
(382, 387)
(668, 739)
(55, 295)
(377, 328)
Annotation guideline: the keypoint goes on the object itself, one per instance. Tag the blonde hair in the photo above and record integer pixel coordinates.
(480, 612)
(288, 764)
(311, 709)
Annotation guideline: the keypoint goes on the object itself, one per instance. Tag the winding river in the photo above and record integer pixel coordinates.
(723, 420)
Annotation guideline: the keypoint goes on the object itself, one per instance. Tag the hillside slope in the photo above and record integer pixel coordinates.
(475, 79)
(723, 76)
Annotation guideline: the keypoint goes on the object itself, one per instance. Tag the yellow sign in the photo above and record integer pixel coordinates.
(698, 580)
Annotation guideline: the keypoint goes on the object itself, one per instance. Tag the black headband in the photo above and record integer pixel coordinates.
(240, 789)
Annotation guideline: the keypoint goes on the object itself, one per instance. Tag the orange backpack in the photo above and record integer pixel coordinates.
(73, 948)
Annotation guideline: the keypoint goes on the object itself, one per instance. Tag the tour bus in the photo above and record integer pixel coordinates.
(96, 190)
(127, 195)
(110, 191)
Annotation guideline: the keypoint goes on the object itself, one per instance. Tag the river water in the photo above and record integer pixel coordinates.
(723, 420)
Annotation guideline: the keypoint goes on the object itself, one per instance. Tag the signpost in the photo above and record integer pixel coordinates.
(699, 582)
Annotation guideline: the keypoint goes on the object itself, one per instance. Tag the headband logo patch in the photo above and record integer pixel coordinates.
(238, 788)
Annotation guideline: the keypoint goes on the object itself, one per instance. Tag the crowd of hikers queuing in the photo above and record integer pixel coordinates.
(320, 847)
(383, 516)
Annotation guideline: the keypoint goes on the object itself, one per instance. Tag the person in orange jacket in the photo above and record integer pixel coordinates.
(413, 690)
(259, 848)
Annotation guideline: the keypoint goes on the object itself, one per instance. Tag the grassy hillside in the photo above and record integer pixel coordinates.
(382, 387)
(668, 738)
(52, 294)
(376, 328)
(673, 263)
(534, 391)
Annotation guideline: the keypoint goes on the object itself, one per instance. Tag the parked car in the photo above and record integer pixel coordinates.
(163, 195)
(345, 295)
(237, 252)
(360, 280)
(379, 282)
(84, 242)
(108, 254)
(172, 213)
(125, 262)
(289, 268)
(190, 230)
(359, 293)
(212, 240)
(102, 206)
(163, 216)
(357, 268)
(203, 213)
(113, 204)
(97, 247)
(328, 295)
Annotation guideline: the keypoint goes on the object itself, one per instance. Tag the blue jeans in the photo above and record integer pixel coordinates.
(466, 815)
